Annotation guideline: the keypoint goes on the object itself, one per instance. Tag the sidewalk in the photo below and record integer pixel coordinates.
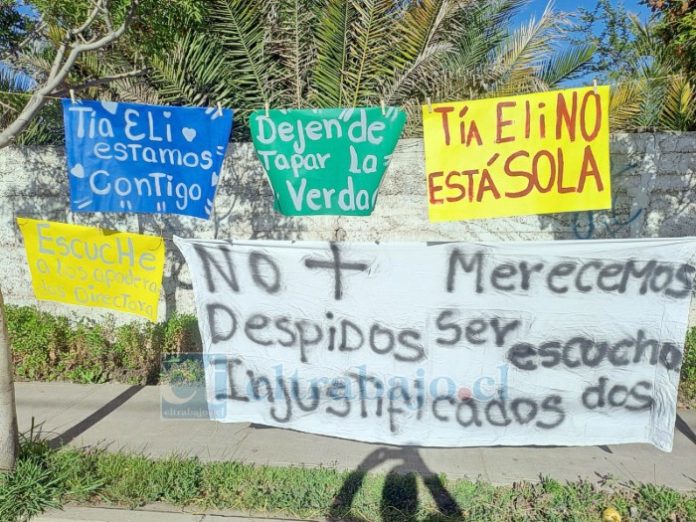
(122, 417)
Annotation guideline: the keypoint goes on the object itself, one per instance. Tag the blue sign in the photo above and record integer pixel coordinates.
(128, 157)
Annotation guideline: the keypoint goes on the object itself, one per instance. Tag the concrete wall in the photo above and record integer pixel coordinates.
(654, 176)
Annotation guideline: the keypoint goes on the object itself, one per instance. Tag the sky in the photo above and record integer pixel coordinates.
(536, 7)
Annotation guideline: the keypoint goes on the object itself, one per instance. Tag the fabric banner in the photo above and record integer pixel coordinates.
(530, 154)
(127, 157)
(94, 267)
(326, 161)
(451, 344)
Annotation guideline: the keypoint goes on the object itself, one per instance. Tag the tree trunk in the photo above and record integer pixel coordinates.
(9, 439)
(73, 45)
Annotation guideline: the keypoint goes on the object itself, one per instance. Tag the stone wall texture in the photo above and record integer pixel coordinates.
(653, 181)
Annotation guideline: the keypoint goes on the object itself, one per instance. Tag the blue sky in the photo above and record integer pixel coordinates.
(536, 7)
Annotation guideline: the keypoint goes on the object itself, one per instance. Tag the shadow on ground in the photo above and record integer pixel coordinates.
(400, 491)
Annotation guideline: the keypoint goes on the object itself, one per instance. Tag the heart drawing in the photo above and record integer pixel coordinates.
(78, 171)
(189, 133)
(110, 106)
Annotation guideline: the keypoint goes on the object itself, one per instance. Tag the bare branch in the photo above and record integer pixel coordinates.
(58, 59)
(38, 28)
(99, 81)
(107, 16)
(7, 106)
(62, 66)
(11, 55)
(90, 20)
(81, 48)
(58, 64)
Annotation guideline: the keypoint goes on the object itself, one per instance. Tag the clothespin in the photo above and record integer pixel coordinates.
(160, 226)
(384, 111)
(266, 106)
(429, 103)
(72, 95)
(219, 106)
(594, 84)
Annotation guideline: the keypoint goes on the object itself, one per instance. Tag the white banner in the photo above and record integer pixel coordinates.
(449, 344)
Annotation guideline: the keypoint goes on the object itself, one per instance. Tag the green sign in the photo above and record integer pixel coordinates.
(326, 161)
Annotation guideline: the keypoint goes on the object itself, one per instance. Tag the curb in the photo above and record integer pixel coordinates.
(153, 513)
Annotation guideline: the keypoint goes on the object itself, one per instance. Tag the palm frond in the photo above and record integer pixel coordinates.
(45, 127)
(291, 41)
(477, 32)
(664, 95)
(333, 39)
(239, 24)
(679, 109)
(416, 44)
(372, 29)
(15, 81)
(520, 57)
(479, 28)
(417, 76)
(624, 106)
(193, 73)
(417, 28)
(564, 64)
(135, 89)
(652, 95)
(327, 53)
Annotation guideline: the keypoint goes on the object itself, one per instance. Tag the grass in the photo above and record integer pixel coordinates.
(46, 478)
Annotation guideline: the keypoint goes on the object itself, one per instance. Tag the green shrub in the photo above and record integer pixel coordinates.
(48, 348)
(181, 334)
(87, 356)
(182, 369)
(687, 389)
(139, 350)
(38, 339)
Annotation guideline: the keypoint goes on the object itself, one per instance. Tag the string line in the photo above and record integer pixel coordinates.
(638, 80)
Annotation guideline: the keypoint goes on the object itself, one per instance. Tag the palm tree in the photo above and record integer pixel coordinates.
(658, 94)
(333, 53)
(44, 128)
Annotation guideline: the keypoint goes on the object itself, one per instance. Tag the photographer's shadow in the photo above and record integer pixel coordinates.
(400, 492)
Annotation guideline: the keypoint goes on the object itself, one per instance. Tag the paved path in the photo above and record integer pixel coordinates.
(122, 417)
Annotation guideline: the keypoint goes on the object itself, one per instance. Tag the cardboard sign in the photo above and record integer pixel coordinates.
(457, 344)
(127, 157)
(94, 267)
(531, 154)
(326, 161)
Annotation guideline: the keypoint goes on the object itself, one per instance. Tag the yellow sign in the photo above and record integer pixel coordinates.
(531, 154)
(94, 267)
